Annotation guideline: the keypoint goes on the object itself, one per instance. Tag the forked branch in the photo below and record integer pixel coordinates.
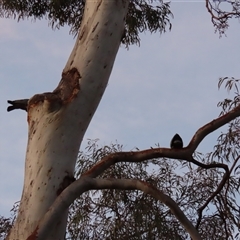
(219, 16)
(183, 154)
(219, 188)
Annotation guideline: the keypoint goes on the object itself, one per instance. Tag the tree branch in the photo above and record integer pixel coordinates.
(220, 17)
(212, 126)
(210, 10)
(210, 165)
(86, 183)
(183, 154)
(214, 194)
(220, 186)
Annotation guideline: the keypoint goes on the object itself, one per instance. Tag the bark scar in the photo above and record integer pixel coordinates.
(65, 92)
(68, 87)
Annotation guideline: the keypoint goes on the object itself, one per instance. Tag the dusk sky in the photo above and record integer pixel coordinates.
(167, 85)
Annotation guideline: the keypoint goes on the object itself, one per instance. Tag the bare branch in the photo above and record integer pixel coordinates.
(86, 183)
(134, 156)
(214, 194)
(211, 10)
(212, 126)
(220, 186)
(219, 16)
(234, 164)
(210, 165)
(184, 153)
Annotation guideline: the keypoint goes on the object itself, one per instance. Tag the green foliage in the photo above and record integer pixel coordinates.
(115, 214)
(231, 84)
(6, 223)
(5, 226)
(209, 197)
(143, 15)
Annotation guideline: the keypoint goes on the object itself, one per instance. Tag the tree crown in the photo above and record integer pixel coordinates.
(143, 15)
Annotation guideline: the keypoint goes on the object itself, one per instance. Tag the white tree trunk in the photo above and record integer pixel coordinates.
(58, 120)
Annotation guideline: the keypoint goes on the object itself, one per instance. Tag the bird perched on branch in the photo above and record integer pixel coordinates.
(18, 104)
(176, 142)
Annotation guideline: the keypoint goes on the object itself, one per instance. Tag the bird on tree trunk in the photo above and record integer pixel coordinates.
(18, 104)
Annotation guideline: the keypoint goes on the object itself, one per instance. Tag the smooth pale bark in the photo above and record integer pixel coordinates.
(58, 120)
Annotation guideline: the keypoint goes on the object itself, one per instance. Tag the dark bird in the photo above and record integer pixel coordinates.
(18, 104)
(176, 142)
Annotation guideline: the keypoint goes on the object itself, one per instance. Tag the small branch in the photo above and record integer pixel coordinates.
(234, 164)
(18, 104)
(214, 194)
(220, 17)
(230, 171)
(86, 183)
(225, 15)
(220, 186)
(209, 166)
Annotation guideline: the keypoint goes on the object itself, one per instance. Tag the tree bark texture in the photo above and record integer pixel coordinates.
(57, 121)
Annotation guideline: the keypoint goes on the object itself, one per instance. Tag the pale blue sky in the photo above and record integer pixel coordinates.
(167, 85)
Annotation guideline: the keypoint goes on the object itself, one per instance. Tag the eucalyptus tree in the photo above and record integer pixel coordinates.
(58, 120)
